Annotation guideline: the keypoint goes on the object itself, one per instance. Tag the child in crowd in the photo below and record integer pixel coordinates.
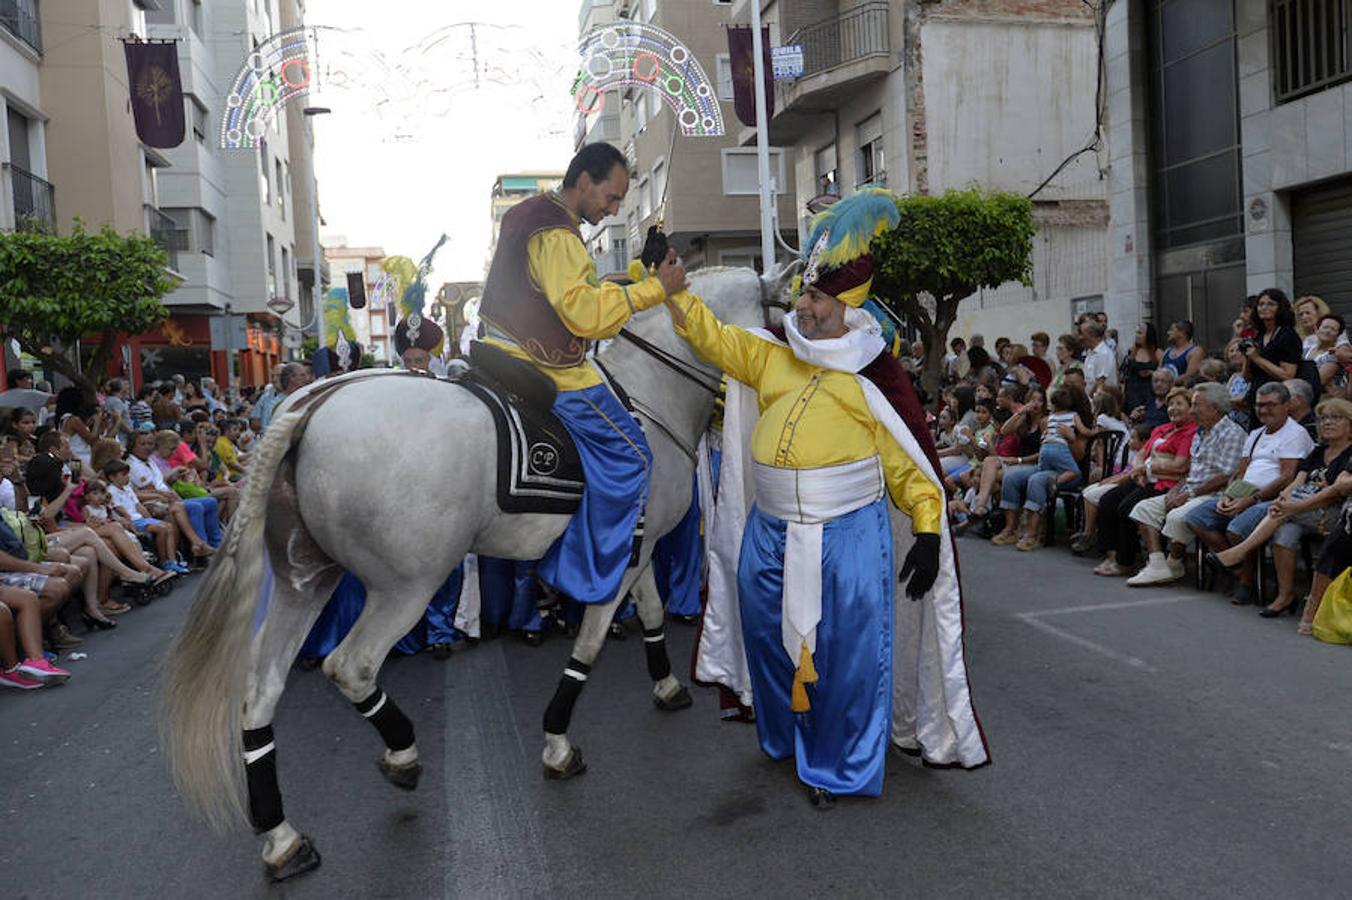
(1064, 425)
(1136, 438)
(127, 510)
(96, 505)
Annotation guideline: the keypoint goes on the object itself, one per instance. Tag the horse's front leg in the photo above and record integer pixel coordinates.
(561, 758)
(668, 692)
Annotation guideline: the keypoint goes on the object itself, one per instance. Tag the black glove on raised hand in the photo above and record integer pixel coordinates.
(922, 565)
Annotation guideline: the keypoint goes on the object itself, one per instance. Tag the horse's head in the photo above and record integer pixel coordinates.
(741, 297)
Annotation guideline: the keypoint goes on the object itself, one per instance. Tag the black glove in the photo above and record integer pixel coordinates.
(654, 248)
(922, 565)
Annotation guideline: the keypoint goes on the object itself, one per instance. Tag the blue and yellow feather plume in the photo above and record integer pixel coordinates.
(853, 223)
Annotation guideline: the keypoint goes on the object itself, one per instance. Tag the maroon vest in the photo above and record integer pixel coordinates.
(513, 303)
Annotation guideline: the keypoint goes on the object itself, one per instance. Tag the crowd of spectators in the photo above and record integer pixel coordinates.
(1242, 451)
(105, 500)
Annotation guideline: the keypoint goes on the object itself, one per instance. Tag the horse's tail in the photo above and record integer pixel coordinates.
(205, 674)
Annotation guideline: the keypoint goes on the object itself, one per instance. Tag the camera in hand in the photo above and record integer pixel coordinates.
(1245, 346)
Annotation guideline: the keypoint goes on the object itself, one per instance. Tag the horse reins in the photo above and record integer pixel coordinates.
(671, 361)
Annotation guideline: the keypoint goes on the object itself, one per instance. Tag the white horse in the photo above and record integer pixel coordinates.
(401, 527)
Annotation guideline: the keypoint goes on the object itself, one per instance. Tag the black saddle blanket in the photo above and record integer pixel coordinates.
(539, 470)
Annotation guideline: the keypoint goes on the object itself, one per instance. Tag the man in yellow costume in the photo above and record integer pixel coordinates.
(543, 303)
(816, 576)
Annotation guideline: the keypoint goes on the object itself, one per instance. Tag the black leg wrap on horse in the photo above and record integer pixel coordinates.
(260, 772)
(560, 710)
(655, 645)
(395, 728)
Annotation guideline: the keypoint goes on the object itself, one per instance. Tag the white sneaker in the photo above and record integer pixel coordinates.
(1156, 571)
(1177, 569)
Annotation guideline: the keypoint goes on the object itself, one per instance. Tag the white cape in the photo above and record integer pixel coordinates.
(931, 701)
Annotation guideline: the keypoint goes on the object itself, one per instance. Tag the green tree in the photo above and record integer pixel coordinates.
(62, 289)
(944, 249)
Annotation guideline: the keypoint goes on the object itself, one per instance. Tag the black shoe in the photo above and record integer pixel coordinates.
(1268, 612)
(1214, 562)
(533, 638)
(101, 624)
(1243, 595)
(441, 651)
(821, 798)
(683, 620)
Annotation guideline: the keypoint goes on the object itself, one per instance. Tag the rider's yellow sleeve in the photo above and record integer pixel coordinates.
(589, 308)
(739, 353)
(912, 492)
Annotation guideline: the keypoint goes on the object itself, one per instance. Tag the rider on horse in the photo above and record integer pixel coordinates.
(543, 303)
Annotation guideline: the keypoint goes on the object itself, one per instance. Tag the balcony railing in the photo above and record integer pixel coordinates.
(852, 35)
(1311, 46)
(20, 18)
(33, 202)
(164, 232)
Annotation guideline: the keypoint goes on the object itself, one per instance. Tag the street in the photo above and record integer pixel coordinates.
(1146, 743)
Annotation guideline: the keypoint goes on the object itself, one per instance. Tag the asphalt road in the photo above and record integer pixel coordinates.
(1146, 743)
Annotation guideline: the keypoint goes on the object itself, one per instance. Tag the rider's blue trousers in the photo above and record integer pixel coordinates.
(588, 560)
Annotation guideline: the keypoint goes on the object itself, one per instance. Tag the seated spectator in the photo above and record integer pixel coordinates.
(1155, 411)
(1276, 353)
(1324, 350)
(23, 424)
(1073, 376)
(97, 506)
(116, 411)
(227, 448)
(1334, 557)
(165, 412)
(128, 510)
(959, 351)
(1238, 385)
(1308, 505)
(53, 582)
(1309, 311)
(1214, 370)
(1033, 487)
(1182, 354)
(1245, 326)
(197, 520)
(1066, 347)
(1092, 495)
(105, 451)
(140, 411)
(21, 628)
(80, 421)
(18, 380)
(1272, 454)
(1217, 447)
(193, 400)
(1301, 405)
(1020, 438)
(1163, 462)
(1141, 363)
(211, 472)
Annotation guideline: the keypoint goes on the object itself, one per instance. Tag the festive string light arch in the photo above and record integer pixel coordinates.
(278, 71)
(649, 58)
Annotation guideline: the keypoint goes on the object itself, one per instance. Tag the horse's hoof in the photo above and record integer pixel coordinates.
(821, 798)
(405, 777)
(304, 859)
(677, 701)
(571, 769)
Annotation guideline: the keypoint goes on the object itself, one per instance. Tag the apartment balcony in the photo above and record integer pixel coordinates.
(20, 18)
(164, 232)
(841, 55)
(34, 207)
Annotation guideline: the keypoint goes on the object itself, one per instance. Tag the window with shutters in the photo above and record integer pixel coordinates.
(872, 167)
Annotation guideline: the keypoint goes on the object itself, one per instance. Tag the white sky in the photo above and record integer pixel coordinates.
(401, 194)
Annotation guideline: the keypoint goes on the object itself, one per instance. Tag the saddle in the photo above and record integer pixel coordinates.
(539, 470)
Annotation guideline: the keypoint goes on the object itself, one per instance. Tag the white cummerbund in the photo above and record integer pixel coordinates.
(815, 496)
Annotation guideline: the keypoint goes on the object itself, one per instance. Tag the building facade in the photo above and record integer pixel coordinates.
(705, 190)
(923, 97)
(1231, 138)
(234, 211)
(25, 188)
(374, 321)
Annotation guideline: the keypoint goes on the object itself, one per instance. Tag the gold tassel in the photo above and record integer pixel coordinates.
(806, 674)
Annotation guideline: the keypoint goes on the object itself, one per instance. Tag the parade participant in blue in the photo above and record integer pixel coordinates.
(816, 574)
(543, 303)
